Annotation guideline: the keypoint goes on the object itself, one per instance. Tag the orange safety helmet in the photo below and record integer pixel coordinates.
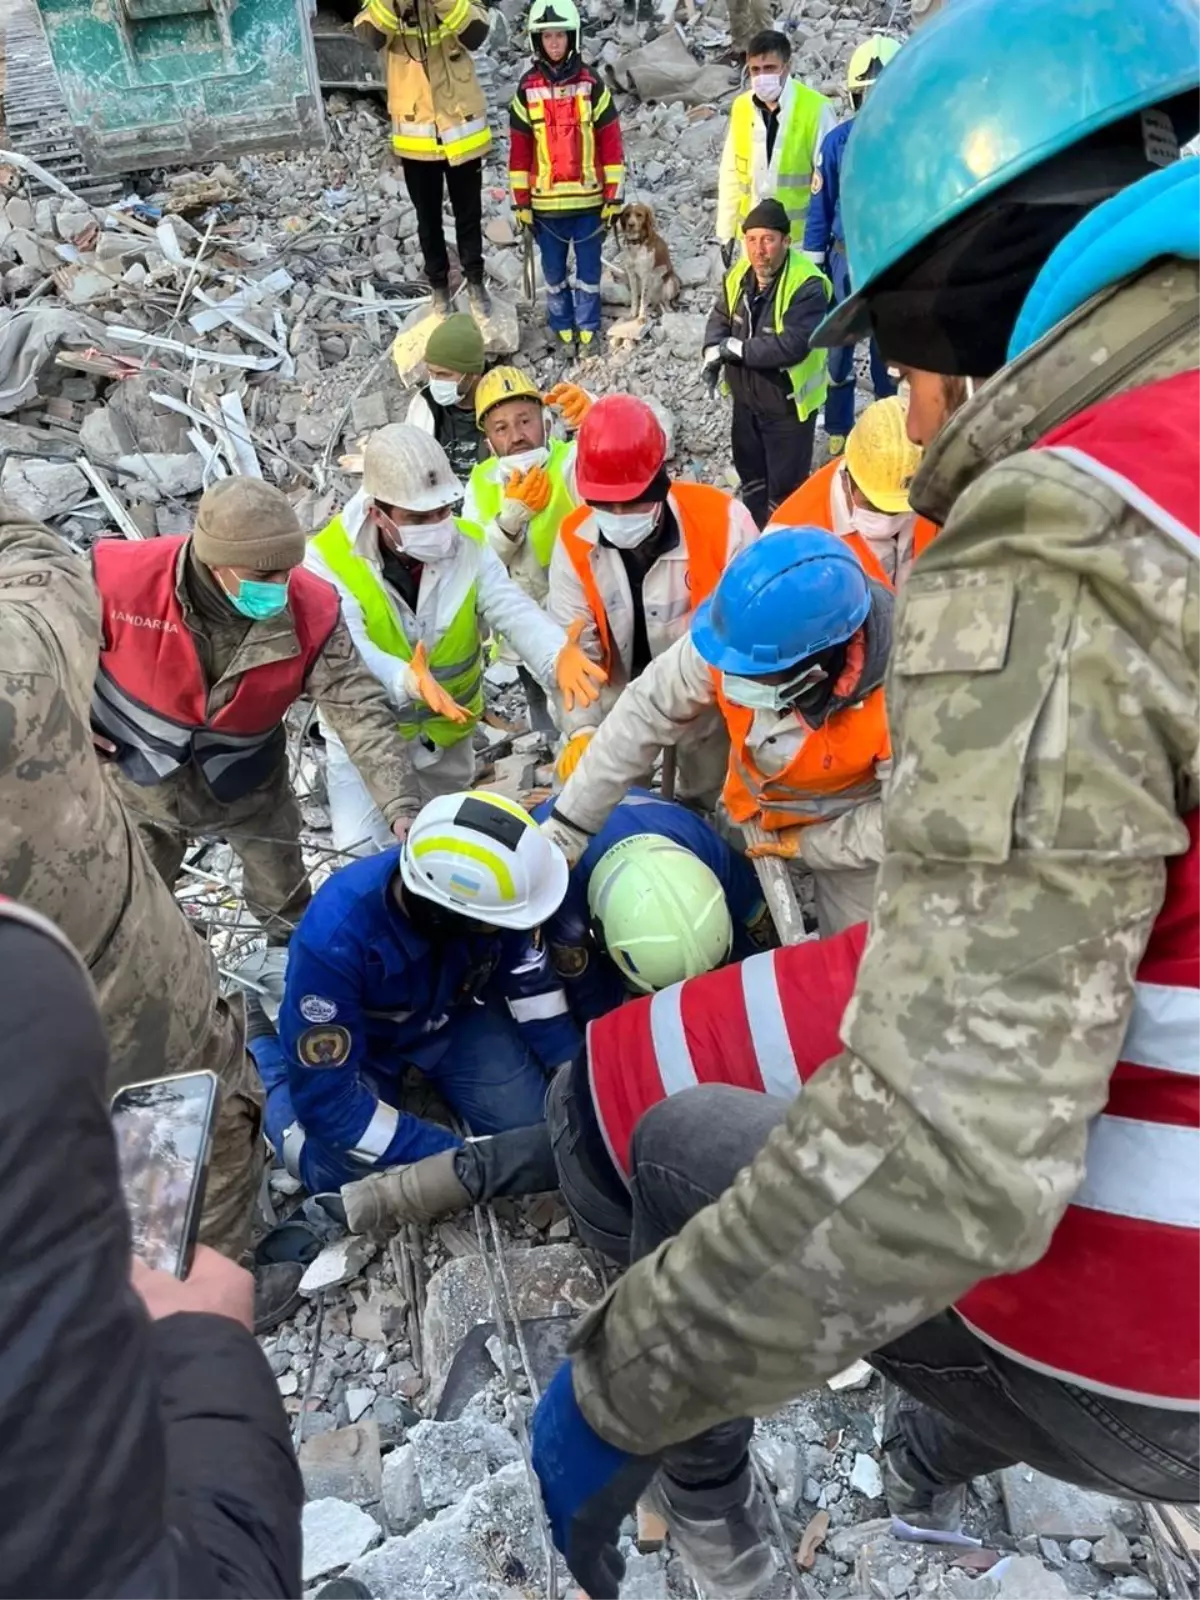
(620, 450)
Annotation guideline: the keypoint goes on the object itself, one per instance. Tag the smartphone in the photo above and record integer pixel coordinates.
(164, 1136)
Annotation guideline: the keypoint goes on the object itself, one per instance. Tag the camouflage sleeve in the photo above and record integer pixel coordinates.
(359, 712)
(37, 568)
(1045, 708)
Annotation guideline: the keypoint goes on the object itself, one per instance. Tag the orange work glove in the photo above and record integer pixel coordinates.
(422, 685)
(571, 754)
(783, 843)
(531, 488)
(571, 401)
(578, 677)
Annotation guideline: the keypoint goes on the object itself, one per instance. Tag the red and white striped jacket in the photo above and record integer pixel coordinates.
(1114, 1304)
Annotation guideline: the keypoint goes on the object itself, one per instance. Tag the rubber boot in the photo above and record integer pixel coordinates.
(441, 299)
(721, 1533)
(422, 1192)
(479, 300)
(276, 1294)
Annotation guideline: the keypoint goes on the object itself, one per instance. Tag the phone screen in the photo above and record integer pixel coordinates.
(164, 1130)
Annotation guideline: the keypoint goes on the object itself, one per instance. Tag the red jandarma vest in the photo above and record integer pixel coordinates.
(150, 697)
(1114, 1304)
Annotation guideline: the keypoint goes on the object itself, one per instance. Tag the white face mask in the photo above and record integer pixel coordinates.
(523, 460)
(627, 529)
(444, 391)
(427, 541)
(878, 526)
(758, 695)
(768, 86)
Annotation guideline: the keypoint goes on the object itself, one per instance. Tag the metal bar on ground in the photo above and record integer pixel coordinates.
(778, 890)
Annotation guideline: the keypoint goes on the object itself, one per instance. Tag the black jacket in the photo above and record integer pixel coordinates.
(759, 381)
(137, 1458)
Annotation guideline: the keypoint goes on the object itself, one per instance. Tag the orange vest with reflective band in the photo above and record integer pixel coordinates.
(832, 772)
(703, 516)
(811, 505)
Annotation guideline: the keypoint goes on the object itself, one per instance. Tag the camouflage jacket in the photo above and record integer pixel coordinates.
(66, 847)
(1045, 707)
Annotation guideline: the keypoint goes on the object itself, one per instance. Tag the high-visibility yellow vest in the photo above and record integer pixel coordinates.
(456, 660)
(810, 377)
(796, 152)
(488, 489)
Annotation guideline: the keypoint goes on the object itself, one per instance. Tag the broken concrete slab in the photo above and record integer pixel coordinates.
(343, 1463)
(437, 1466)
(337, 1264)
(665, 69)
(369, 411)
(1045, 1506)
(552, 1280)
(335, 1533)
(43, 489)
(1113, 1553)
(379, 1316)
(172, 476)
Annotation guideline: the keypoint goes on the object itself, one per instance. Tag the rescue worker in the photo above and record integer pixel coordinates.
(521, 491)
(1020, 1055)
(68, 850)
(631, 565)
(566, 166)
(790, 650)
(863, 495)
(776, 128)
(440, 129)
(825, 241)
(666, 898)
(209, 640)
(415, 580)
(758, 336)
(445, 404)
(426, 957)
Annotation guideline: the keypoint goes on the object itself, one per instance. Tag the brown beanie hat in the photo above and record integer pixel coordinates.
(244, 522)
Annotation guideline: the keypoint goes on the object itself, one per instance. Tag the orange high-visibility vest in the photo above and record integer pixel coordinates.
(703, 514)
(811, 506)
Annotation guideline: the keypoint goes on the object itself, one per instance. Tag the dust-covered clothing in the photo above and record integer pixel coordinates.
(68, 850)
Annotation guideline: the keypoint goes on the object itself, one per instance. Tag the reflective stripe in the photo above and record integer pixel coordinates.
(675, 1065)
(794, 180)
(417, 130)
(1146, 1170)
(1164, 1029)
(768, 1029)
(293, 1144)
(457, 15)
(1132, 496)
(538, 1007)
(378, 1133)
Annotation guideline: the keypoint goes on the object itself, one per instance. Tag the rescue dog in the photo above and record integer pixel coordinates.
(646, 261)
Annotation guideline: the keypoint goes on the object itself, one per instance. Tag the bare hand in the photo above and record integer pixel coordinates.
(104, 747)
(214, 1285)
(401, 826)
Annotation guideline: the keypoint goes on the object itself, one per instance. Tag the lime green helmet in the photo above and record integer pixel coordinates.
(659, 911)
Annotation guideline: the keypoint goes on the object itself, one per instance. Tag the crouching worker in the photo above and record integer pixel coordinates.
(426, 957)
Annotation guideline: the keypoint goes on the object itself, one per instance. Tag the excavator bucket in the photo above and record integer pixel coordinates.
(150, 83)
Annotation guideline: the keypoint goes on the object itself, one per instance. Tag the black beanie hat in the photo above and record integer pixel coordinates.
(767, 214)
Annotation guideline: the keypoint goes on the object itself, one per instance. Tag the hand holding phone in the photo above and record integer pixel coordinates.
(164, 1135)
(214, 1285)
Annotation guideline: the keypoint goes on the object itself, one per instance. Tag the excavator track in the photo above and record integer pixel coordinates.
(35, 117)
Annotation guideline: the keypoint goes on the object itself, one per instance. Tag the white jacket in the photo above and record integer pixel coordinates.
(763, 173)
(657, 711)
(525, 570)
(666, 600)
(444, 585)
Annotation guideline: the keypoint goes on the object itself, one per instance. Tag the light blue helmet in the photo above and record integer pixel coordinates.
(985, 92)
(788, 596)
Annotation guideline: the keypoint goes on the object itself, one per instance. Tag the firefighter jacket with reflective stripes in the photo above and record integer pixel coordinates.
(367, 996)
(822, 501)
(527, 557)
(151, 697)
(748, 174)
(588, 580)
(777, 369)
(437, 108)
(565, 151)
(1114, 1304)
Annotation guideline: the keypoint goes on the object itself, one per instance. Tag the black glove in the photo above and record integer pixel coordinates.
(728, 251)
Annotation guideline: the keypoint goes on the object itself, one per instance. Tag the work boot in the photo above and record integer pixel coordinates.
(422, 1192)
(586, 337)
(479, 300)
(566, 336)
(910, 1492)
(837, 443)
(343, 1589)
(276, 1293)
(441, 299)
(720, 1532)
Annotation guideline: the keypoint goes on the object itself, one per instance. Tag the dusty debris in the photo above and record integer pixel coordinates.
(335, 1533)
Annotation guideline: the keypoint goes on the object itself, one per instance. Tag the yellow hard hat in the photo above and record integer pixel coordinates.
(880, 456)
(868, 61)
(503, 383)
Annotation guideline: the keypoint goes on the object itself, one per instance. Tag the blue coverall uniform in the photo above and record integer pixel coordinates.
(483, 1016)
(825, 242)
(598, 987)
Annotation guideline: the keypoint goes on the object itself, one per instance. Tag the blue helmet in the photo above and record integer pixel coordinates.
(987, 91)
(791, 594)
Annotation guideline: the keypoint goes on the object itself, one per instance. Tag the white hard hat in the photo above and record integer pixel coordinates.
(484, 856)
(405, 466)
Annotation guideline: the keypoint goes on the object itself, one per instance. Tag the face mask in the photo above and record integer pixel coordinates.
(258, 601)
(523, 460)
(444, 391)
(768, 86)
(427, 541)
(758, 695)
(878, 525)
(627, 529)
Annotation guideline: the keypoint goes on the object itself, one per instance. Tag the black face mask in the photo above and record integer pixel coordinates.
(812, 700)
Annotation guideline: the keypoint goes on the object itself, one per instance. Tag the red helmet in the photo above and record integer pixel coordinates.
(620, 449)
